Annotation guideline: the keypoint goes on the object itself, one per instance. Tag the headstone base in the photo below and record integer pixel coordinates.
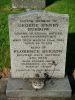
(19, 89)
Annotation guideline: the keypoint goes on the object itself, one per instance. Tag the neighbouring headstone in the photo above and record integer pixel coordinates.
(37, 4)
(38, 42)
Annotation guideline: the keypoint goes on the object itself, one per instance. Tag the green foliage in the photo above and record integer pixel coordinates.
(5, 10)
(65, 7)
(4, 41)
(5, 4)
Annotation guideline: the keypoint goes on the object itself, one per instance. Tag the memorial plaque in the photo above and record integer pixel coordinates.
(37, 4)
(38, 42)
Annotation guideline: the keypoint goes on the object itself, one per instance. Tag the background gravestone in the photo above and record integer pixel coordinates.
(37, 4)
(38, 41)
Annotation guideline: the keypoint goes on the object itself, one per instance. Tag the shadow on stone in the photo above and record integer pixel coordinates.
(48, 2)
(70, 63)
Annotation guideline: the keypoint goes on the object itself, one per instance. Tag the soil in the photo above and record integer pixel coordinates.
(4, 73)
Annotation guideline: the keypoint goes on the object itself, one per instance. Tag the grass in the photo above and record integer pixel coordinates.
(66, 7)
(5, 10)
(59, 6)
(4, 41)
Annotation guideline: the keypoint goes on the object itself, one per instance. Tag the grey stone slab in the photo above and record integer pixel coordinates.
(39, 98)
(3, 97)
(19, 88)
(37, 4)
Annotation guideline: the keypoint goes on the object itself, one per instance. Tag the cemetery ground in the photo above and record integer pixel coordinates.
(59, 6)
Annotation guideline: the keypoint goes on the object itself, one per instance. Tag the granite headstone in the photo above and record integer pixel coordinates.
(38, 42)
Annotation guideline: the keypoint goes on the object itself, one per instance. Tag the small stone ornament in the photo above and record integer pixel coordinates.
(37, 83)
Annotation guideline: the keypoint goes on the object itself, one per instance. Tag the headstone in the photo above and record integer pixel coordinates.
(37, 4)
(38, 41)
